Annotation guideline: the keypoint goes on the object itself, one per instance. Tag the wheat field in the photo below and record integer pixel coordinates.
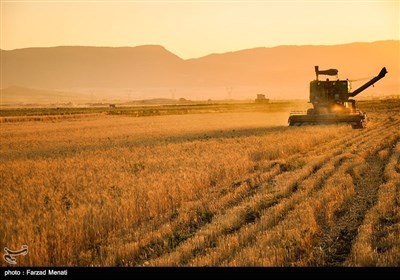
(213, 189)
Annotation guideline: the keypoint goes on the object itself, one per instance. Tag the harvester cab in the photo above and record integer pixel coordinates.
(329, 96)
(331, 101)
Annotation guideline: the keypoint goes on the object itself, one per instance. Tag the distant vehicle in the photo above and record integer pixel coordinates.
(331, 101)
(261, 99)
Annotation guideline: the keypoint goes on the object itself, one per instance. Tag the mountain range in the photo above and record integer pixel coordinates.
(151, 71)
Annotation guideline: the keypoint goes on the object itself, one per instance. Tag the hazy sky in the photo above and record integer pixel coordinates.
(196, 28)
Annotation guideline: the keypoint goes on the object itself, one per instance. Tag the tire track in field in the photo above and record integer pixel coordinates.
(320, 183)
(386, 234)
(196, 229)
(377, 242)
(316, 197)
(336, 240)
(337, 162)
(155, 249)
(255, 215)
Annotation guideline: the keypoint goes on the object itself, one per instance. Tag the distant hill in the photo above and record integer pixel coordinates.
(285, 71)
(154, 72)
(23, 95)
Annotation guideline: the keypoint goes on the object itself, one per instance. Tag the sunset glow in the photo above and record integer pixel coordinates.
(196, 28)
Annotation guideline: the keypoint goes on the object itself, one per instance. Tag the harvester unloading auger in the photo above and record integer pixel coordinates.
(331, 101)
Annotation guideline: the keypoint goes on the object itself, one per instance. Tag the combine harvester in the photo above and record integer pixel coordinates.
(331, 102)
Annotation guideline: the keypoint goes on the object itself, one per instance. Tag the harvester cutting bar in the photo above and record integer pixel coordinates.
(356, 120)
